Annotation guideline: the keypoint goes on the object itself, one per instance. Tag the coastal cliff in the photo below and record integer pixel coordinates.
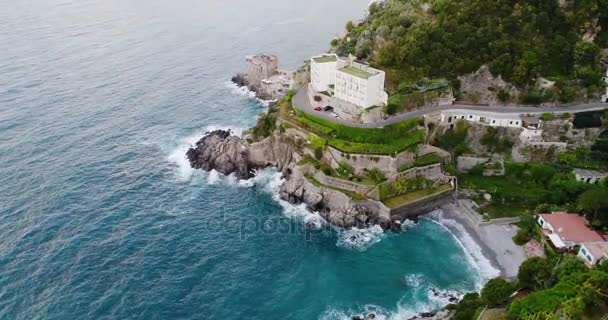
(228, 154)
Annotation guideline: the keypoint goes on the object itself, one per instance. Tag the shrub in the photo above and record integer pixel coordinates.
(546, 116)
(496, 292)
(522, 237)
(503, 96)
(376, 175)
(318, 153)
(345, 170)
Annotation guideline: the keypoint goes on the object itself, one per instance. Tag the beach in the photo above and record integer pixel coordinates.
(494, 240)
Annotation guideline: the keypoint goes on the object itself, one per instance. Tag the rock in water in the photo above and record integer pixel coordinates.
(220, 151)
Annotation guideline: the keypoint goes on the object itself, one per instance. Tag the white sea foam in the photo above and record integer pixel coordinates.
(471, 248)
(359, 239)
(244, 91)
(270, 181)
(177, 156)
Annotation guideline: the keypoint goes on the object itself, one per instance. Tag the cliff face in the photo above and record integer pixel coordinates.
(227, 154)
(334, 206)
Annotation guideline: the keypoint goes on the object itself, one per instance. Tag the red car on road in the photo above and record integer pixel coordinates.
(318, 109)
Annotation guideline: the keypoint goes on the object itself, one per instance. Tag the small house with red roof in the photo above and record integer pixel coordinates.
(566, 230)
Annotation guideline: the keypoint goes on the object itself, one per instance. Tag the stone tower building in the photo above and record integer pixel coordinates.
(260, 67)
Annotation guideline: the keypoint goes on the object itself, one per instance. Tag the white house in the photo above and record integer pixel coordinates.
(566, 230)
(348, 80)
(492, 119)
(531, 129)
(593, 253)
(589, 176)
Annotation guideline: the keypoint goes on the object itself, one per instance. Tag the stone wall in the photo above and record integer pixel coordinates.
(360, 162)
(431, 172)
(465, 164)
(423, 205)
(425, 149)
(561, 146)
(341, 184)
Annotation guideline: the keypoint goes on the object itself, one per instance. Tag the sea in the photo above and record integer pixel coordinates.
(101, 217)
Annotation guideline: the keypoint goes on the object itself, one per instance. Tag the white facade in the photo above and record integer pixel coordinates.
(491, 119)
(593, 253)
(348, 80)
(529, 135)
(323, 71)
(589, 176)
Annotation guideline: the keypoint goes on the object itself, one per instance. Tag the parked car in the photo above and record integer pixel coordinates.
(318, 109)
(335, 115)
(318, 98)
(328, 108)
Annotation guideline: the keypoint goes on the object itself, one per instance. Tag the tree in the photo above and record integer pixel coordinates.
(496, 292)
(535, 273)
(594, 201)
(586, 52)
(350, 26)
(570, 265)
(503, 96)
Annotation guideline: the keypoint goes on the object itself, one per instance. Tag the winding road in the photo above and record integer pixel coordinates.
(301, 101)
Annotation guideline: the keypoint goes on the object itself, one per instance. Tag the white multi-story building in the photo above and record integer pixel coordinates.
(348, 80)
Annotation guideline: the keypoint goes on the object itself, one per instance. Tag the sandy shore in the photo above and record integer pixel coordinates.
(495, 241)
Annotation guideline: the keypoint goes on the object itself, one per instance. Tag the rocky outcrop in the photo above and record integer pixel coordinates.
(240, 80)
(219, 150)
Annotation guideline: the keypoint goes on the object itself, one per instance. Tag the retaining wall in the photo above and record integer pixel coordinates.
(341, 184)
(423, 205)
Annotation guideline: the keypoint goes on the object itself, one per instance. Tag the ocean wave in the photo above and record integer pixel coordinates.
(359, 239)
(270, 180)
(436, 298)
(471, 248)
(245, 92)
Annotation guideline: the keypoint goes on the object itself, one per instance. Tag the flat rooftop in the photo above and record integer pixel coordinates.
(325, 59)
(356, 72)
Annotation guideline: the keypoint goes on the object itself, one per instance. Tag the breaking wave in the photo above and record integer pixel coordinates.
(245, 92)
(471, 248)
(177, 156)
(359, 239)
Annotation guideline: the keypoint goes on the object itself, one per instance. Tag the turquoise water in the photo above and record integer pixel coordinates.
(100, 215)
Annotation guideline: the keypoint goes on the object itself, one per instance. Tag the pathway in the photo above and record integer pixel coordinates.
(301, 101)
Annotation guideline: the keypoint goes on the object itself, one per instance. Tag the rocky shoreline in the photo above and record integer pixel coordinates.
(228, 154)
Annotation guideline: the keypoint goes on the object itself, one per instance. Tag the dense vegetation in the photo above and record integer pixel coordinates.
(541, 187)
(518, 40)
(560, 287)
(387, 140)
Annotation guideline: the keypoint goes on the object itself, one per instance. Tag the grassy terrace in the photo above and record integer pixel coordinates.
(403, 199)
(356, 72)
(325, 59)
(391, 139)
